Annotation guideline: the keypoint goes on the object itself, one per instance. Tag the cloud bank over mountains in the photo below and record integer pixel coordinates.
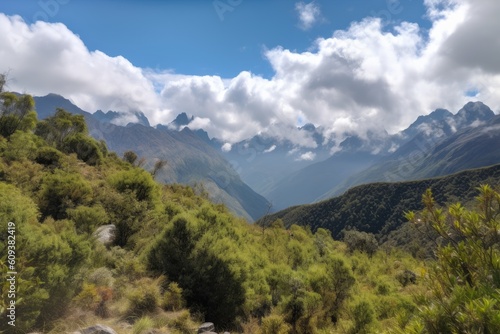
(369, 77)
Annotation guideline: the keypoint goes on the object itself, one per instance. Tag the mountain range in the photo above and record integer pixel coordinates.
(435, 144)
(190, 160)
(266, 174)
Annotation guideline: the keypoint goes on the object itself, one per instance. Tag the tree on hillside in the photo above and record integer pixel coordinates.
(159, 164)
(465, 281)
(69, 133)
(16, 111)
(56, 129)
(360, 241)
(130, 157)
(211, 283)
(86, 148)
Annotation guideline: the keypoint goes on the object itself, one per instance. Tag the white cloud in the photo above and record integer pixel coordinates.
(308, 156)
(47, 58)
(125, 119)
(226, 147)
(199, 123)
(365, 78)
(270, 149)
(309, 14)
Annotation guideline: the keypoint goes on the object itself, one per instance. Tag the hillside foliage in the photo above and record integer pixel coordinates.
(178, 259)
(379, 208)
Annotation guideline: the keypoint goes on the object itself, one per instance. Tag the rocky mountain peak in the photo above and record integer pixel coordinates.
(437, 115)
(182, 120)
(474, 111)
(121, 118)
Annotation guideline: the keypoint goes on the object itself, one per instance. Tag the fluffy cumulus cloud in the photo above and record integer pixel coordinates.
(47, 58)
(360, 80)
(309, 14)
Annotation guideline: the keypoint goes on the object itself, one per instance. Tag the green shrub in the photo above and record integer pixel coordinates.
(182, 323)
(465, 281)
(52, 255)
(130, 157)
(61, 191)
(88, 218)
(49, 156)
(101, 277)
(172, 210)
(21, 145)
(126, 213)
(212, 280)
(86, 148)
(62, 125)
(88, 298)
(143, 325)
(137, 181)
(172, 299)
(383, 288)
(274, 324)
(363, 315)
(15, 207)
(144, 297)
(406, 277)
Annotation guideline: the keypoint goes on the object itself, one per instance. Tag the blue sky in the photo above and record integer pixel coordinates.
(244, 67)
(205, 37)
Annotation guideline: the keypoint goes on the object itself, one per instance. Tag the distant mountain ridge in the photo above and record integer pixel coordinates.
(190, 160)
(442, 144)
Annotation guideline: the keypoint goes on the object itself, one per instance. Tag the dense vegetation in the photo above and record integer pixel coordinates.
(379, 208)
(179, 259)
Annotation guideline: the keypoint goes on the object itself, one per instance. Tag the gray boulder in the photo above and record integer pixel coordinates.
(96, 329)
(106, 234)
(207, 328)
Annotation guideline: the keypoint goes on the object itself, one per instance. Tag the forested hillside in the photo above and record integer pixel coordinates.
(177, 260)
(379, 208)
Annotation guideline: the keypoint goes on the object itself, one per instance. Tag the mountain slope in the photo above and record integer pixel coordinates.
(305, 185)
(379, 207)
(437, 144)
(470, 148)
(190, 160)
